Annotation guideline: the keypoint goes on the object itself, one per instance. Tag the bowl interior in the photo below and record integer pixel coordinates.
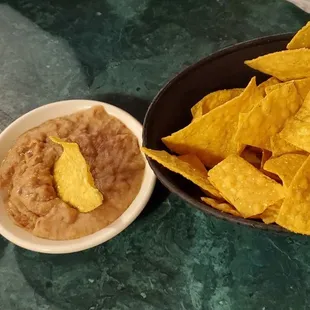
(170, 110)
(34, 118)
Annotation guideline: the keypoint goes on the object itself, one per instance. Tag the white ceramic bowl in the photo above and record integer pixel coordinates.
(34, 118)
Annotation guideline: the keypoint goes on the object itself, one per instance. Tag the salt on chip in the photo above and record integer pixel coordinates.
(285, 166)
(294, 214)
(302, 85)
(214, 100)
(285, 65)
(301, 38)
(221, 206)
(211, 137)
(189, 166)
(268, 117)
(270, 215)
(268, 83)
(245, 187)
(297, 129)
(280, 146)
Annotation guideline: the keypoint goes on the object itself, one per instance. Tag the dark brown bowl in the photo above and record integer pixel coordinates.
(170, 110)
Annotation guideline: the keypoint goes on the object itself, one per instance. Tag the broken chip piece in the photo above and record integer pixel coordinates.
(284, 65)
(268, 117)
(214, 100)
(285, 166)
(301, 38)
(221, 206)
(245, 187)
(294, 214)
(189, 166)
(205, 136)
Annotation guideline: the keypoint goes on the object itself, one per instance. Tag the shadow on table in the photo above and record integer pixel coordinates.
(159, 195)
(3, 245)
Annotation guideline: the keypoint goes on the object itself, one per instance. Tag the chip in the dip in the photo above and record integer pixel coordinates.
(268, 117)
(214, 100)
(74, 182)
(115, 161)
(301, 38)
(297, 129)
(285, 166)
(189, 166)
(284, 65)
(294, 214)
(243, 186)
(204, 137)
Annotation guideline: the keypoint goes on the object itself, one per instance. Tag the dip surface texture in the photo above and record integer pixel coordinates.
(116, 163)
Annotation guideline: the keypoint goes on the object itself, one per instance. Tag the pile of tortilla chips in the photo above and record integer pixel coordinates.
(248, 148)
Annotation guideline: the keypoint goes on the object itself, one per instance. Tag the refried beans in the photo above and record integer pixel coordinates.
(116, 163)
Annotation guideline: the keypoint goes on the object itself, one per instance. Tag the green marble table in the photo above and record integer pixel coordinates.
(172, 256)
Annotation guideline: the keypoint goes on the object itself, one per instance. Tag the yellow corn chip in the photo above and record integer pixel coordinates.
(265, 156)
(74, 182)
(214, 100)
(294, 214)
(297, 129)
(284, 65)
(285, 166)
(246, 188)
(268, 83)
(270, 215)
(301, 38)
(206, 135)
(194, 161)
(279, 146)
(303, 87)
(269, 116)
(188, 166)
(220, 205)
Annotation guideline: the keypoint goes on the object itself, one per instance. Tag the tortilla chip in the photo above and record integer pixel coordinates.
(279, 146)
(189, 166)
(268, 83)
(265, 156)
(245, 187)
(294, 214)
(270, 215)
(206, 135)
(285, 65)
(285, 166)
(303, 87)
(269, 116)
(74, 182)
(301, 38)
(220, 205)
(297, 129)
(214, 100)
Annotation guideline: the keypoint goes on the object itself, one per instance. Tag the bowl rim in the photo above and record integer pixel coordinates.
(170, 186)
(116, 227)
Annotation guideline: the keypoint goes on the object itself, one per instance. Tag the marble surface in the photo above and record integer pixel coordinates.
(172, 256)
